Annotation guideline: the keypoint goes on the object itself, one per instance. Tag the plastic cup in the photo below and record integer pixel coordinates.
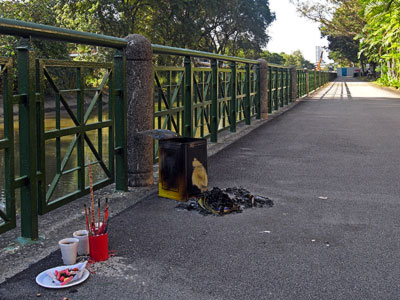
(83, 237)
(98, 247)
(69, 250)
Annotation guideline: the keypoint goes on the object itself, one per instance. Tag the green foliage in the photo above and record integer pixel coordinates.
(38, 11)
(380, 38)
(388, 81)
(297, 59)
(273, 58)
(294, 59)
(234, 27)
(340, 21)
(225, 26)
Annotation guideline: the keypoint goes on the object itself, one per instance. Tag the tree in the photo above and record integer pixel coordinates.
(294, 59)
(235, 27)
(272, 57)
(380, 38)
(225, 26)
(340, 21)
(297, 59)
(38, 11)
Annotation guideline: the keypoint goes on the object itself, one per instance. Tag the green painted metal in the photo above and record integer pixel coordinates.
(214, 104)
(202, 83)
(290, 86)
(160, 49)
(233, 87)
(188, 96)
(281, 88)
(27, 139)
(79, 131)
(287, 87)
(119, 94)
(247, 99)
(7, 217)
(276, 92)
(270, 108)
(257, 91)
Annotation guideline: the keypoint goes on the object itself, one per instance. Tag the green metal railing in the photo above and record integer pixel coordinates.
(205, 93)
(209, 93)
(279, 87)
(36, 79)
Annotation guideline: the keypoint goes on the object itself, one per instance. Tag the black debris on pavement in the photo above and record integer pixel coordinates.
(224, 201)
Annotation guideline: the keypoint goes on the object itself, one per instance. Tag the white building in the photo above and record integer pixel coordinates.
(348, 72)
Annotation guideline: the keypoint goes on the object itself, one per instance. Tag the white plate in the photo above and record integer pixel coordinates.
(46, 281)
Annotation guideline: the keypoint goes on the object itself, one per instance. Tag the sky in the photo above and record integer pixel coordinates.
(290, 32)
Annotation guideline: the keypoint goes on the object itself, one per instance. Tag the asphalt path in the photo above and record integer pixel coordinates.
(331, 166)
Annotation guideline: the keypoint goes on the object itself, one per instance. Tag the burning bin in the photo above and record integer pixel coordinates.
(183, 168)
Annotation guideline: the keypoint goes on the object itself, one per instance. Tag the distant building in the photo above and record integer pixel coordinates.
(348, 72)
(318, 51)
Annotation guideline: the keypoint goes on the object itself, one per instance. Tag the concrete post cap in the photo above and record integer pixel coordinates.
(263, 63)
(138, 48)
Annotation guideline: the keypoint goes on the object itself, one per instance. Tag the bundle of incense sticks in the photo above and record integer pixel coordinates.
(91, 226)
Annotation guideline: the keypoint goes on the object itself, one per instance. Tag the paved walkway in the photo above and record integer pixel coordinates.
(341, 145)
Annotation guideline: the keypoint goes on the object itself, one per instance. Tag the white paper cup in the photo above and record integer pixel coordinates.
(83, 246)
(69, 250)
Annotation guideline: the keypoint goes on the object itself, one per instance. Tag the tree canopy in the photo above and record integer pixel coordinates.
(340, 21)
(380, 38)
(224, 26)
(296, 59)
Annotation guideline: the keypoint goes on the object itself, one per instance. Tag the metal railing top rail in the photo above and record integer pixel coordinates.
(27, 29)
(160, 49)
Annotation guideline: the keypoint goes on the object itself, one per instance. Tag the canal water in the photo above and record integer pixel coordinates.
(69, 182)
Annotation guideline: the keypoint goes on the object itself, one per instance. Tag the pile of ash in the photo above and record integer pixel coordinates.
(223, 201)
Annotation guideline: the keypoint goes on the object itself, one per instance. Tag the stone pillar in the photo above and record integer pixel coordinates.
(307, 82)
(293, 71)
(263, 88)
(140, 77)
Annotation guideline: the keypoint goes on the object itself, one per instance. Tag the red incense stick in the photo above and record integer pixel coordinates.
(87, 220)
(98, 220)
(91, 193)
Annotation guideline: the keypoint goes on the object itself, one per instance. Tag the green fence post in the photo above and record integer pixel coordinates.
(258, 91)
(276, 89)
(247, 99)
(80, 145)
(233, 97)
(188, 98)
(281, 95)
(120, 122)
(214, 102)
(270, 90)
(287, 86)
(293, 77)
(27, 139)
(290, 85)
(9, 163)
(307, 82)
